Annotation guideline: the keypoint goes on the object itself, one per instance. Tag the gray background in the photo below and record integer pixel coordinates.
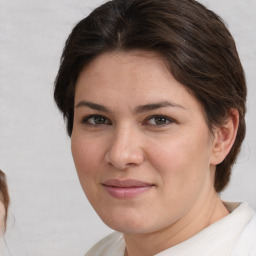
(49, 214)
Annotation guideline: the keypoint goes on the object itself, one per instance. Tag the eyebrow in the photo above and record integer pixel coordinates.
(92, 106)
(153, 106)
(138, 109)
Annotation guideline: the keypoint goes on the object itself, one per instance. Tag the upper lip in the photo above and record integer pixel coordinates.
(128, 183)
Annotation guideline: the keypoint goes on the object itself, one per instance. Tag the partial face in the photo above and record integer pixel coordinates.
(2, 217)
(140, 143)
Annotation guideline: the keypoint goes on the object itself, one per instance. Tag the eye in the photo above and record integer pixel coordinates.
(159, 120)
(95, 120)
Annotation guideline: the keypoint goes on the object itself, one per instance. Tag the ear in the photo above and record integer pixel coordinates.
(224, 137)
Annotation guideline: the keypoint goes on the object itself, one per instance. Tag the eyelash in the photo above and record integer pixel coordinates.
(167, 119)
(86, 119)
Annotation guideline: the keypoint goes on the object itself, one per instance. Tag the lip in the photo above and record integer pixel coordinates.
(126, 189)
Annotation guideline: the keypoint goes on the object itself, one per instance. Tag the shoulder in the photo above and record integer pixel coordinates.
(246, 243)
(111, 245)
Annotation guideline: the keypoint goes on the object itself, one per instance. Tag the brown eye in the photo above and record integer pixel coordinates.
(95, 120)
(99, 120)
(159, 120)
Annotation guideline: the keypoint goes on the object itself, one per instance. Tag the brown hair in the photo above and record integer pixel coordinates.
(194, 42)
(4, 195)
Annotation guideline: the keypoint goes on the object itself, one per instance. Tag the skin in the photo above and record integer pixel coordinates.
(175, 152)
(2, 216)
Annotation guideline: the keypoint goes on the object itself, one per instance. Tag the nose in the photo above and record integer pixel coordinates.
(125, 149)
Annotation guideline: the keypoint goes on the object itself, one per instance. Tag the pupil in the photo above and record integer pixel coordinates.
(160, 120)
(99, 120)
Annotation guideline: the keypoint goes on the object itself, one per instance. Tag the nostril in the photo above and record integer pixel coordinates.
(125, 149)
(121, 159)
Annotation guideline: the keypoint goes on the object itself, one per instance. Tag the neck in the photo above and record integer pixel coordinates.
(199, 217)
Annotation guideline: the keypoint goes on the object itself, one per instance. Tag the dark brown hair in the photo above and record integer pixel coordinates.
(4, 195)
(194, 42)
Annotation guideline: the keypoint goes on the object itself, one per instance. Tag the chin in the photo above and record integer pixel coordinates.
(128, 222)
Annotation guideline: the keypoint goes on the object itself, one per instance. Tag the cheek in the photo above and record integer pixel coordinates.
(180, 161)
(183, 168)
(87, 158)
(86, 154)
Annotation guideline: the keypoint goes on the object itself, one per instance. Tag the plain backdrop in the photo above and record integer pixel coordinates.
(49, 213)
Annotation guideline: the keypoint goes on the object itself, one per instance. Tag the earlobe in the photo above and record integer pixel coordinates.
(224, 137)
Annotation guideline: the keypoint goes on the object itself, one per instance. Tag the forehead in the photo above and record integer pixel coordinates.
(136, 63)
(122, 68)
(136, 76)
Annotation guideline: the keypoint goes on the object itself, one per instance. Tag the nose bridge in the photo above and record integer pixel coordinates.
(125, 149)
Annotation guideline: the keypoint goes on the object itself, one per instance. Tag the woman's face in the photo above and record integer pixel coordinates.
(140, 143)
(2, 217)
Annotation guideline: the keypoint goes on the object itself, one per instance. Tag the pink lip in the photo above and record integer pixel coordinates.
(125, 189)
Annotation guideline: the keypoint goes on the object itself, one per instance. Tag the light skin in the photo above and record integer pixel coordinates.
(2, 217)
(134, 121)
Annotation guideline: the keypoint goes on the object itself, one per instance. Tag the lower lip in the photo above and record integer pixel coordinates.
(126, 193)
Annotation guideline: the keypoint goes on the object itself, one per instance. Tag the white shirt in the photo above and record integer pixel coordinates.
(233, 235)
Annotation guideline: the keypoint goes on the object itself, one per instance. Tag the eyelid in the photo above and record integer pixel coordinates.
(86, 118)
(170, 120)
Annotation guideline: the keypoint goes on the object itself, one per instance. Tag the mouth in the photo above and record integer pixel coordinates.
(126, 189)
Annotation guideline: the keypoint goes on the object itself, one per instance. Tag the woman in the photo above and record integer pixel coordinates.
(4, 201)
(154, 94)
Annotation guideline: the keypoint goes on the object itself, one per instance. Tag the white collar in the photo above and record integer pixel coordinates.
(217, 239)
